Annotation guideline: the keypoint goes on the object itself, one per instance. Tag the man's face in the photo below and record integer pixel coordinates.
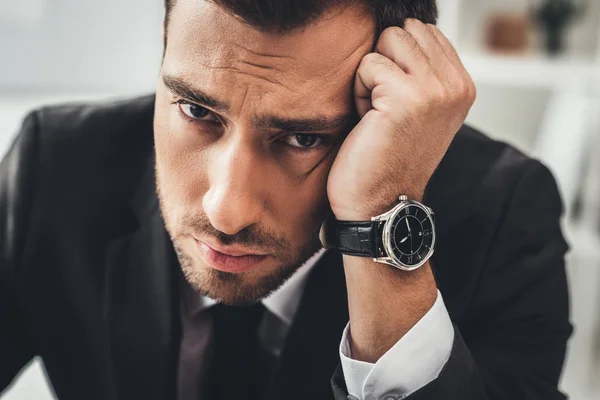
(247, 125)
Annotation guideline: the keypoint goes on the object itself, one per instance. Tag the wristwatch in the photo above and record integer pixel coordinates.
(403, 237)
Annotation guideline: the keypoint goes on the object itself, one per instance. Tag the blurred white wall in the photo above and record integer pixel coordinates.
(74, 45)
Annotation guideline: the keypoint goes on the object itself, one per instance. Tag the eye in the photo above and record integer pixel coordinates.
(195, 112)
(303, 141)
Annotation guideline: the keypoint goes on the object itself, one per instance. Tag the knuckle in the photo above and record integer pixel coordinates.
(460, 90)
(432, 28)
(375, 62)
(460, 85)
(412, 23)
(392, 32)
(394, 36)
(472, 96)
(463, 92)
(472, 90)
(468, 90)
(371, 59)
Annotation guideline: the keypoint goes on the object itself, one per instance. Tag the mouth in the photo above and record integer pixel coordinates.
(231, 259)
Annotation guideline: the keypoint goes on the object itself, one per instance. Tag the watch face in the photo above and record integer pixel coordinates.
(412, 236)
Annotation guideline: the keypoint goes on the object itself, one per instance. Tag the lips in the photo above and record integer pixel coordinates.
(233, 260)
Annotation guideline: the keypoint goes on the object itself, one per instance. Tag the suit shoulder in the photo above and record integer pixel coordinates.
(92, 153)
(95, 121)
(90, 135)
(477, 167)
(492, 156)
(489, 152)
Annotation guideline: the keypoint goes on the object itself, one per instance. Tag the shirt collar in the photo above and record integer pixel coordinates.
(283, 302)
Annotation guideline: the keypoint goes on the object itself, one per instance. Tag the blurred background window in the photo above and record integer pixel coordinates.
(536, 64)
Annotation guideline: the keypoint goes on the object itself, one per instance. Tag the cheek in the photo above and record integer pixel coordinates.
(179, 163)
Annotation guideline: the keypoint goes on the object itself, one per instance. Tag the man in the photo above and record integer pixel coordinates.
(186, 265)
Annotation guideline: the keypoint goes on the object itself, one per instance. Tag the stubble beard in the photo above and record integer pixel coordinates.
(232, 288)
(235, 289)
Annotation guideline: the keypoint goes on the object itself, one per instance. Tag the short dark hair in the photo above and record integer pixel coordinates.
(286, 15)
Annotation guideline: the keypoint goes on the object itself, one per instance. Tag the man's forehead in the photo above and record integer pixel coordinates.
(204, 32)
(308, 72)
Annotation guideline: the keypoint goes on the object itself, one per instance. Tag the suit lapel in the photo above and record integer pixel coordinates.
(310, 355)
(142, 302)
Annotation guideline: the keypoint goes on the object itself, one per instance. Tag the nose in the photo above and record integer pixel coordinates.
(234, 199)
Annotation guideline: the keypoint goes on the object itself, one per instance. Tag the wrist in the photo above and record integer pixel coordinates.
(384, 304)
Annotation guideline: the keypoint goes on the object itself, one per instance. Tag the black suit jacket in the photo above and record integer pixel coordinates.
(89, 281)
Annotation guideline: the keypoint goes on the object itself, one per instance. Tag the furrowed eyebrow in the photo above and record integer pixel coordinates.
(299, 125)
(306, 124)
(181, 88)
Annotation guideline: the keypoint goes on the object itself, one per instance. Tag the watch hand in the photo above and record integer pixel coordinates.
(404, 240)
(407, 225)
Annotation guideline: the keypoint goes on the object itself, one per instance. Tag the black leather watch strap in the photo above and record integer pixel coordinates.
(356, 238)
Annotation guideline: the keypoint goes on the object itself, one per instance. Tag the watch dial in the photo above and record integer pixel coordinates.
(412, 235)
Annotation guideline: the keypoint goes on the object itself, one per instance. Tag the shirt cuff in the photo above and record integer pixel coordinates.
(413, 362)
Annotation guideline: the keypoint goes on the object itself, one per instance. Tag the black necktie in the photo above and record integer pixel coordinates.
(233, 371)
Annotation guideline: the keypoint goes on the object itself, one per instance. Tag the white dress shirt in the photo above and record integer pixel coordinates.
(414, 361)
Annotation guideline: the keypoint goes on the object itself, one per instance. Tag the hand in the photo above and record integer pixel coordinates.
(412, 94)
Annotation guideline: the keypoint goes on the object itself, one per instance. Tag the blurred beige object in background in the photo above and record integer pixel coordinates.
(507, 33)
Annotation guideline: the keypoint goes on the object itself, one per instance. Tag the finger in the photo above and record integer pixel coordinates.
(430, 44)
(403, 49)
(434, 31)
(374, 70)
(448, 47)
(469, 86)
